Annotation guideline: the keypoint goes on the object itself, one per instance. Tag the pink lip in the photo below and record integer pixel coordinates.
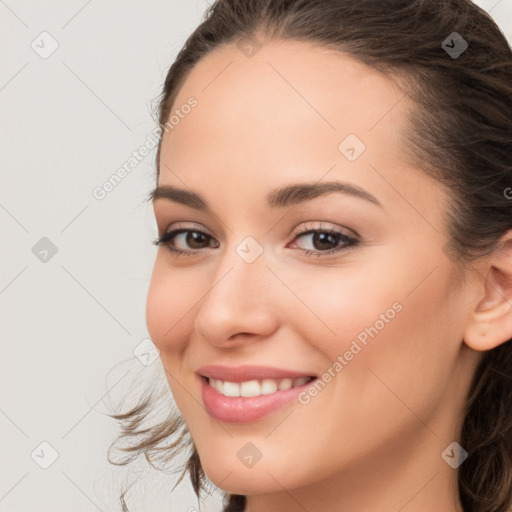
(248, 372)
(246, 409)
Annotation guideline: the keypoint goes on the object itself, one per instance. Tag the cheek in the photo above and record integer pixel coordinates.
(386, 321)
(169, 300)
(168, 316)
(344, 303)
(407, 361)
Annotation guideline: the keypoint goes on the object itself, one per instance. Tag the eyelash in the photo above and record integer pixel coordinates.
(350, 242)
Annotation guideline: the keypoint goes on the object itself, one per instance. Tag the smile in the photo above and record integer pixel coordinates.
(256, 387)
(252, 400)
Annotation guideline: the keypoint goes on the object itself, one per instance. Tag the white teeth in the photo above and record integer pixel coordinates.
(217, 384)
(231, 389)
(268, 386)
(256, 388)
(250, 388)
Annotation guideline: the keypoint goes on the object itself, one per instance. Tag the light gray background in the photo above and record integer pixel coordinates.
(70, 324)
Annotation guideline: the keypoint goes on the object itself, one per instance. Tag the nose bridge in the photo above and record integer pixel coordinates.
(242, 271)
(238, 300)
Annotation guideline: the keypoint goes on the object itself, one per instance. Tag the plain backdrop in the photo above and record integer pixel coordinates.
(78, 81)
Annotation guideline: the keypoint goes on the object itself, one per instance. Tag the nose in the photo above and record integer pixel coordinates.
(240, 305)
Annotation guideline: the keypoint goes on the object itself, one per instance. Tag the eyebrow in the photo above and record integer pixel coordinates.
(289, 195)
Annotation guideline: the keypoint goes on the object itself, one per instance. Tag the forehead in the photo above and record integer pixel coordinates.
(287, 93)
(283, 115)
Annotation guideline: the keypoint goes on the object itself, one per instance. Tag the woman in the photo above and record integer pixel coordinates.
(332, 292)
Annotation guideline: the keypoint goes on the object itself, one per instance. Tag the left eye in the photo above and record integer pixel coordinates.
(323, 241)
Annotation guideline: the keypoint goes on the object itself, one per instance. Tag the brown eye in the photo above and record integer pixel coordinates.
(196, 239)
(325, 241)
(184, 241)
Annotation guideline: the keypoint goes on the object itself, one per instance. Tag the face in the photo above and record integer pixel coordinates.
(347, 285)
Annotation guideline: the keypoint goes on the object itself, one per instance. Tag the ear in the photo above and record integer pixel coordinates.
(490, 323)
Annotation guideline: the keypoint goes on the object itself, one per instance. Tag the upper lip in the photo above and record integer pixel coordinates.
(248, 372)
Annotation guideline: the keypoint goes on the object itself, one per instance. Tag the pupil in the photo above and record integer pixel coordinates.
(194, 237)
(322, 237)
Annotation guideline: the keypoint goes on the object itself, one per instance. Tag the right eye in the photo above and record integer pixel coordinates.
(192, 238)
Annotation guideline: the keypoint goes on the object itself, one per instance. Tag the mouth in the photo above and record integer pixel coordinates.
(256, 387)
(241, 394)
(249, 393)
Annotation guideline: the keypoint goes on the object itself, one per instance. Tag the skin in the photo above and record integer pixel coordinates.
(375, 434)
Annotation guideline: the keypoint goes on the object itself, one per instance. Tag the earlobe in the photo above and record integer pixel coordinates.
(490, 323)
(488, 329)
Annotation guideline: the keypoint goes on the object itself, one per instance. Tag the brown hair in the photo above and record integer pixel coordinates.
(460, 133)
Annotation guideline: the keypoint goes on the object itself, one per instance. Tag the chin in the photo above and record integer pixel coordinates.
(241, 480)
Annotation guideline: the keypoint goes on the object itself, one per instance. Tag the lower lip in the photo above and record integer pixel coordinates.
(242, 409)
